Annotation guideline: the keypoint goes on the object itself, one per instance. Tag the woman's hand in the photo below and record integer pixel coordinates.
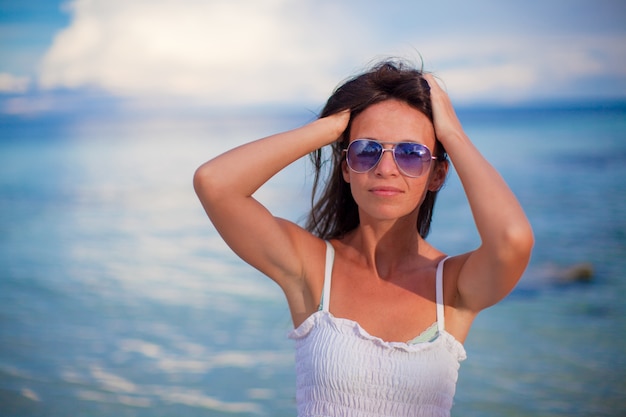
(445, 120)
(338, 122)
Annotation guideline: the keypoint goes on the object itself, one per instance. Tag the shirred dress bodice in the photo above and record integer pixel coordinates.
(342, 370)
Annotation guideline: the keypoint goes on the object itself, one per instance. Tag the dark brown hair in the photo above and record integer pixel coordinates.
(334, 211)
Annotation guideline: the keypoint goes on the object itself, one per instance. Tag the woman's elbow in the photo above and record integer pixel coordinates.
(206, 183)
(517, 244)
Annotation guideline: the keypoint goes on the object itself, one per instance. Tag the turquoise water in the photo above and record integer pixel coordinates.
(117, 297)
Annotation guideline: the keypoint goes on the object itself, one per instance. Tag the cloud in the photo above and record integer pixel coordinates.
(228, 51)
(11, 84)
(514, 68)
(278, 51)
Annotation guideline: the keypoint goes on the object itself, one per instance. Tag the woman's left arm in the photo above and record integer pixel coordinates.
(491, 271)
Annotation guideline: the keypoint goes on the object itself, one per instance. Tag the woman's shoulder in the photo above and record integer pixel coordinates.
(452, 265)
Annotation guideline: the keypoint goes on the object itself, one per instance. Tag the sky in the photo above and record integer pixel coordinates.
(148, 55)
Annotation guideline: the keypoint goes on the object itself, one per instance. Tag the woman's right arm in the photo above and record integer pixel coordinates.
(225, 186)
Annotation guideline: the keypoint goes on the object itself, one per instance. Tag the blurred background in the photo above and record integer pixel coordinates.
(117, 297)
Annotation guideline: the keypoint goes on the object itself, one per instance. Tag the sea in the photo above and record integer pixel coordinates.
(118, 298)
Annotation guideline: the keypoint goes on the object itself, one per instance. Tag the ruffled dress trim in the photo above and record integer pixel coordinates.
(351, 327)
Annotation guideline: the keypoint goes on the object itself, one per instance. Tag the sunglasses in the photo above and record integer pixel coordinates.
(413, 159)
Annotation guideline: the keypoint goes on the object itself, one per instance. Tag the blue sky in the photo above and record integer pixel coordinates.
(181, 54)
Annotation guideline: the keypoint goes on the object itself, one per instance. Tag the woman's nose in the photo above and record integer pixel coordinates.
(387, 164)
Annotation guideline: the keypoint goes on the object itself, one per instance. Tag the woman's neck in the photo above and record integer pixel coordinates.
(388, 248)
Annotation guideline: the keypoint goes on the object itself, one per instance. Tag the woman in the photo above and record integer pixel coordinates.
(386, 337)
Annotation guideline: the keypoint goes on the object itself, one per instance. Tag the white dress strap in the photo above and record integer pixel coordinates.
(441, 322)
(328, 272)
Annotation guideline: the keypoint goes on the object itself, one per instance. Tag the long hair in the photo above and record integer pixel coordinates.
(334, 211)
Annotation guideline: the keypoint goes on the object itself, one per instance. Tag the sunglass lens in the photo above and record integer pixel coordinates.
(412, 158)
(363, 155)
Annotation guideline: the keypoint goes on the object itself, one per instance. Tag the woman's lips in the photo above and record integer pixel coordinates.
(385, 191)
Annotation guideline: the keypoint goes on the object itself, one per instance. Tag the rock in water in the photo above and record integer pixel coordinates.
(582, 272)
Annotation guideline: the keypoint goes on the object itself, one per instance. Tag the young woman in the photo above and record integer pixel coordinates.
(379, 314)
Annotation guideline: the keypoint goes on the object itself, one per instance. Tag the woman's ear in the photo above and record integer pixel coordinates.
(345, 170)
(438, 176)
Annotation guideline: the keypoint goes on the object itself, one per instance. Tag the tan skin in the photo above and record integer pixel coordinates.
(384, 272)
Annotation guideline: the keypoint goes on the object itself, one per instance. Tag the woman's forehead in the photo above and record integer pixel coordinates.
(392, 121)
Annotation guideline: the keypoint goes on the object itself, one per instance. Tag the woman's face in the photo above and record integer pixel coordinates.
(384, 192)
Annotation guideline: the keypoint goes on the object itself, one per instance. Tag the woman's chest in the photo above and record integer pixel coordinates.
(388, 310)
